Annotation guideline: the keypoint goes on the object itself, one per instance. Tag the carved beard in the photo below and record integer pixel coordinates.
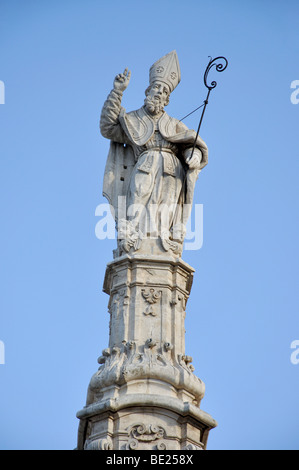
(154, 105)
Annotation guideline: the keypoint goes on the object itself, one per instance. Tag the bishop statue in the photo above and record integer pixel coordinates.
(152, 166)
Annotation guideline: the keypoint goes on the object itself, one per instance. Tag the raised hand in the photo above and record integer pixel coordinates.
(122, 80)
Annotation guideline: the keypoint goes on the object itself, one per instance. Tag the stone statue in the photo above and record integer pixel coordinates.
(149, 163)
(145, 395)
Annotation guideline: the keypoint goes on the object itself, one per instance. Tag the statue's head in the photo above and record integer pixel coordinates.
(157, 97)
(164, 76)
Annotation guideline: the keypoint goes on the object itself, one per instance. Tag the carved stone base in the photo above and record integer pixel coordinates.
(145, 394)
(143, 422)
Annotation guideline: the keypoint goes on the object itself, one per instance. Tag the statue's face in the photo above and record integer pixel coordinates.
(157, 97)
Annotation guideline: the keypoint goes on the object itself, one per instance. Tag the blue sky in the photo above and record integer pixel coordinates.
(58, 60)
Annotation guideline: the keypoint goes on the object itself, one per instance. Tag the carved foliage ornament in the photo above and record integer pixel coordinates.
(151, 297)
(99, 444)
(145, 433)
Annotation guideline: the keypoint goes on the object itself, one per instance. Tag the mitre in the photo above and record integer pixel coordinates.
(166, 70)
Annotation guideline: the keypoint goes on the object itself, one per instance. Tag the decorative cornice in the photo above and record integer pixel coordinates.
(169, 403)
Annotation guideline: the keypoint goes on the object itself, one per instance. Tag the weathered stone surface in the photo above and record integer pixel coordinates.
(152, 166)
(144, 422)
(145, 394)
(145, 364)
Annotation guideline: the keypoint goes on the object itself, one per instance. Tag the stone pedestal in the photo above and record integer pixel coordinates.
(145, 395)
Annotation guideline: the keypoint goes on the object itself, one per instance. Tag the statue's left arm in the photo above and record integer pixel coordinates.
(199, 158)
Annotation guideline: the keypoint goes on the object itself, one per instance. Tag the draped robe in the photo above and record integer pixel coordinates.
(146, 165)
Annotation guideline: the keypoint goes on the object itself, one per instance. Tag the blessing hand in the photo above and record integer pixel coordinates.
(122, 80)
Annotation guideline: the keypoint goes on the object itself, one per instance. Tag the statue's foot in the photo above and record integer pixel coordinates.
(170, 245)
(129, 237)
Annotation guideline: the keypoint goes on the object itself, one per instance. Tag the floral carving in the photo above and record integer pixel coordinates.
(168, 347)
(185, 362)
(151, 296)
(145, 433)
(99, 444)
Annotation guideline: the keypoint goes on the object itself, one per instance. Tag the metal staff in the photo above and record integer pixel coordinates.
(220, 67)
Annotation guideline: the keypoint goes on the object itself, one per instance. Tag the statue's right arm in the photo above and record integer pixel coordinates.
(109, 123)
